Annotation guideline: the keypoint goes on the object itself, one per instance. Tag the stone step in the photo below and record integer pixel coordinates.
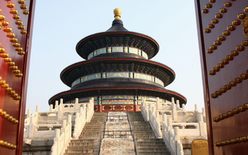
(141, 126)
(94, 127)
(83, 140)
(145, 139)
(153, 153)
(99, 118)
(100, 114)
(150, 143)
(144, 126)
(139, 122)
(81, 148)
(81, 152)
(93, 134)
(150, 149)
(98, 121)
(92, 130)
(89, 134)
(78, 153)
(144, 134)
(80, 144)
(102, 117)
(148, 135)
(95, 124)
(97, 137)
(150, 140)
(151, 146)
(143, 131)
(88, 142)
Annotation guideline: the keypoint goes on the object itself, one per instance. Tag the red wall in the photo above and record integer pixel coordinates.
(223, 38)
(15, 40)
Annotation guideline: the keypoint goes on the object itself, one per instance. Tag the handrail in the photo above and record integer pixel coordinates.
(131, 131)
(102, 135)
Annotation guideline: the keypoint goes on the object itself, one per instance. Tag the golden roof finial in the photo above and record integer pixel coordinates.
(117, 13)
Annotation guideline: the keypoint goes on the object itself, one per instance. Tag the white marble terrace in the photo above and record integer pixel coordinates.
(174, 124)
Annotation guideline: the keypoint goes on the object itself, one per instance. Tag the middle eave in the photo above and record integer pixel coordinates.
(96, 65)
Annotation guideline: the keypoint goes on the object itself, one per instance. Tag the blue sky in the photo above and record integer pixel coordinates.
(60, 24)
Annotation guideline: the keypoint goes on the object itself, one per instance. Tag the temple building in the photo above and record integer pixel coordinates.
(117, 103)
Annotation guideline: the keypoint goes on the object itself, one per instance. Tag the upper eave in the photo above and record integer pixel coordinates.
(117, 38)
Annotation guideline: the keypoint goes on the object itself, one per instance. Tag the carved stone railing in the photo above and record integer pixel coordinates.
(149, 113)
(57, 124)
(169, 127)
(62, 138)
(171, 137)
(84, 115)
(41, 125)
(165, 131)
(31, 125)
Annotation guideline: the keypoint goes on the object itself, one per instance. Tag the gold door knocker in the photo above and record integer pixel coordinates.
(245, 25)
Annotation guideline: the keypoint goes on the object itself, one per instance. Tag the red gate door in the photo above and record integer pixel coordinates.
(223, 39)
(15, 38)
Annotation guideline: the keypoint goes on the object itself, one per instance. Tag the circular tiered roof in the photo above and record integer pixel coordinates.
(117, 62)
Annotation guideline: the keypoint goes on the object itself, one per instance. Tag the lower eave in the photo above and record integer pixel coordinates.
(96, 91)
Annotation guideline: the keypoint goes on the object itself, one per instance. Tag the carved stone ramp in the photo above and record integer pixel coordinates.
(118, 139)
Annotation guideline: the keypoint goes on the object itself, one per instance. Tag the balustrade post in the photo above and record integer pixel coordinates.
(165, 123)
(76, 104)
(50, 108)
(178, 104)
(37, 108)
(56, 141)
(75, 133)
(174, 112)
(56, 105)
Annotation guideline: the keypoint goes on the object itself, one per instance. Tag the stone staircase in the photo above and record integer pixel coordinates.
(89, 141)
(145, 141)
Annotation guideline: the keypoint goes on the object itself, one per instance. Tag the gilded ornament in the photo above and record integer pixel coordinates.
(245, 26)
(215, 21)
(205, 11)
(117, 13)
(228, 4)
(208, 6)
